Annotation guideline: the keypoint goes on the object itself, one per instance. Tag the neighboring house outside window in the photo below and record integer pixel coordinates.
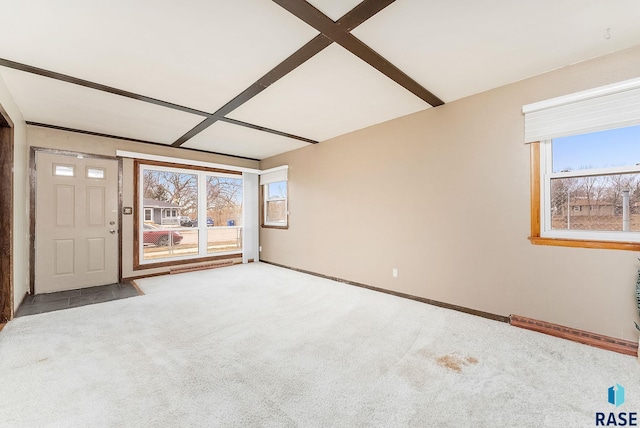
(162, 213)
(178, 206)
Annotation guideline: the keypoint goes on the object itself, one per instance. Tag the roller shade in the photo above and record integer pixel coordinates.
(599, 109)
(274, 175)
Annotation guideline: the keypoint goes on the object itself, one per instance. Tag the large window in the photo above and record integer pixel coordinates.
(585, 174)
(590, 186)
(187, 214)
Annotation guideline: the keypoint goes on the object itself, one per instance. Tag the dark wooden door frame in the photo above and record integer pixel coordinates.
(32, 205)
(6, 217)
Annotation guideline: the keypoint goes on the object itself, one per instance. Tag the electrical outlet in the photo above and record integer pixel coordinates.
(394, 272)
(260, 248)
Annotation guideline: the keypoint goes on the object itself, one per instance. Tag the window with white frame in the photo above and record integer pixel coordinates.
(586, 159)
(590, 186)
(275, 197)
(212, 200)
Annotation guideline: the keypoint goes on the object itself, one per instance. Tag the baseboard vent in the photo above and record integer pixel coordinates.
(598, 340)
(200, 267)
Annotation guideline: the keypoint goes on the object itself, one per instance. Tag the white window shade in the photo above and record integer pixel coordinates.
(274, 175)
(599, 109)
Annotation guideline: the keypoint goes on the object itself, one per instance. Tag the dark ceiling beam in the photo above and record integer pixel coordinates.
(97, 86)
(299, 57)
(339, 34)
(117, 137)
(361, 13)
(195, 131)
(82, 131)
(210, 118)
(268, 130)
(348, 22)
(285, 67)
(334, 32)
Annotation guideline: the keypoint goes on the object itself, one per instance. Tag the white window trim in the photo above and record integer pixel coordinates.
(174, 160)
(202, 214)
(547, 174)
(285, 223)
(269, 176)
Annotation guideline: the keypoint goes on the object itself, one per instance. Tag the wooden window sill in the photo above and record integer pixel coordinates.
(577, 243)
(178, 262)
(266, 226)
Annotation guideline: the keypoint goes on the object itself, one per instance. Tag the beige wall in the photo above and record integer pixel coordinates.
(429, 168)
(20, 201)
(62, 140)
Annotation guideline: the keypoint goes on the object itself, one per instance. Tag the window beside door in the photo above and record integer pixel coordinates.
(187, 214)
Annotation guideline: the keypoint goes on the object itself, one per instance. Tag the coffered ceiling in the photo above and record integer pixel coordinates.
(255, 78)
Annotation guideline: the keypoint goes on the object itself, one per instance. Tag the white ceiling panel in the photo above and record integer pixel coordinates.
(197, 53)
(53, 102)
(331, 94)
(203, 53)
(458, 48)
(334, 9)
(222, 137)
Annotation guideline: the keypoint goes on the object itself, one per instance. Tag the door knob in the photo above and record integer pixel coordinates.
(112, 231)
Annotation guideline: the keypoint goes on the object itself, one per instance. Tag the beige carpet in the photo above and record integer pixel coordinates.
(256, 345)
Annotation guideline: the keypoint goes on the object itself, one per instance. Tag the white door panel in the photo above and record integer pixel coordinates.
(76, 222)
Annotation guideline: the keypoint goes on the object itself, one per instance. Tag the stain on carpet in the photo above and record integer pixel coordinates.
(455, 362)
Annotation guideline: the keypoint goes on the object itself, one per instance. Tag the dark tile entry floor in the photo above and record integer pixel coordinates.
(41, 303)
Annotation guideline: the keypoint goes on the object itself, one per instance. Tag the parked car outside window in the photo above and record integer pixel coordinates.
(160, 238)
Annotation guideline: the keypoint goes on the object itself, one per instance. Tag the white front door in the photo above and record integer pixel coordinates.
(76, 222)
